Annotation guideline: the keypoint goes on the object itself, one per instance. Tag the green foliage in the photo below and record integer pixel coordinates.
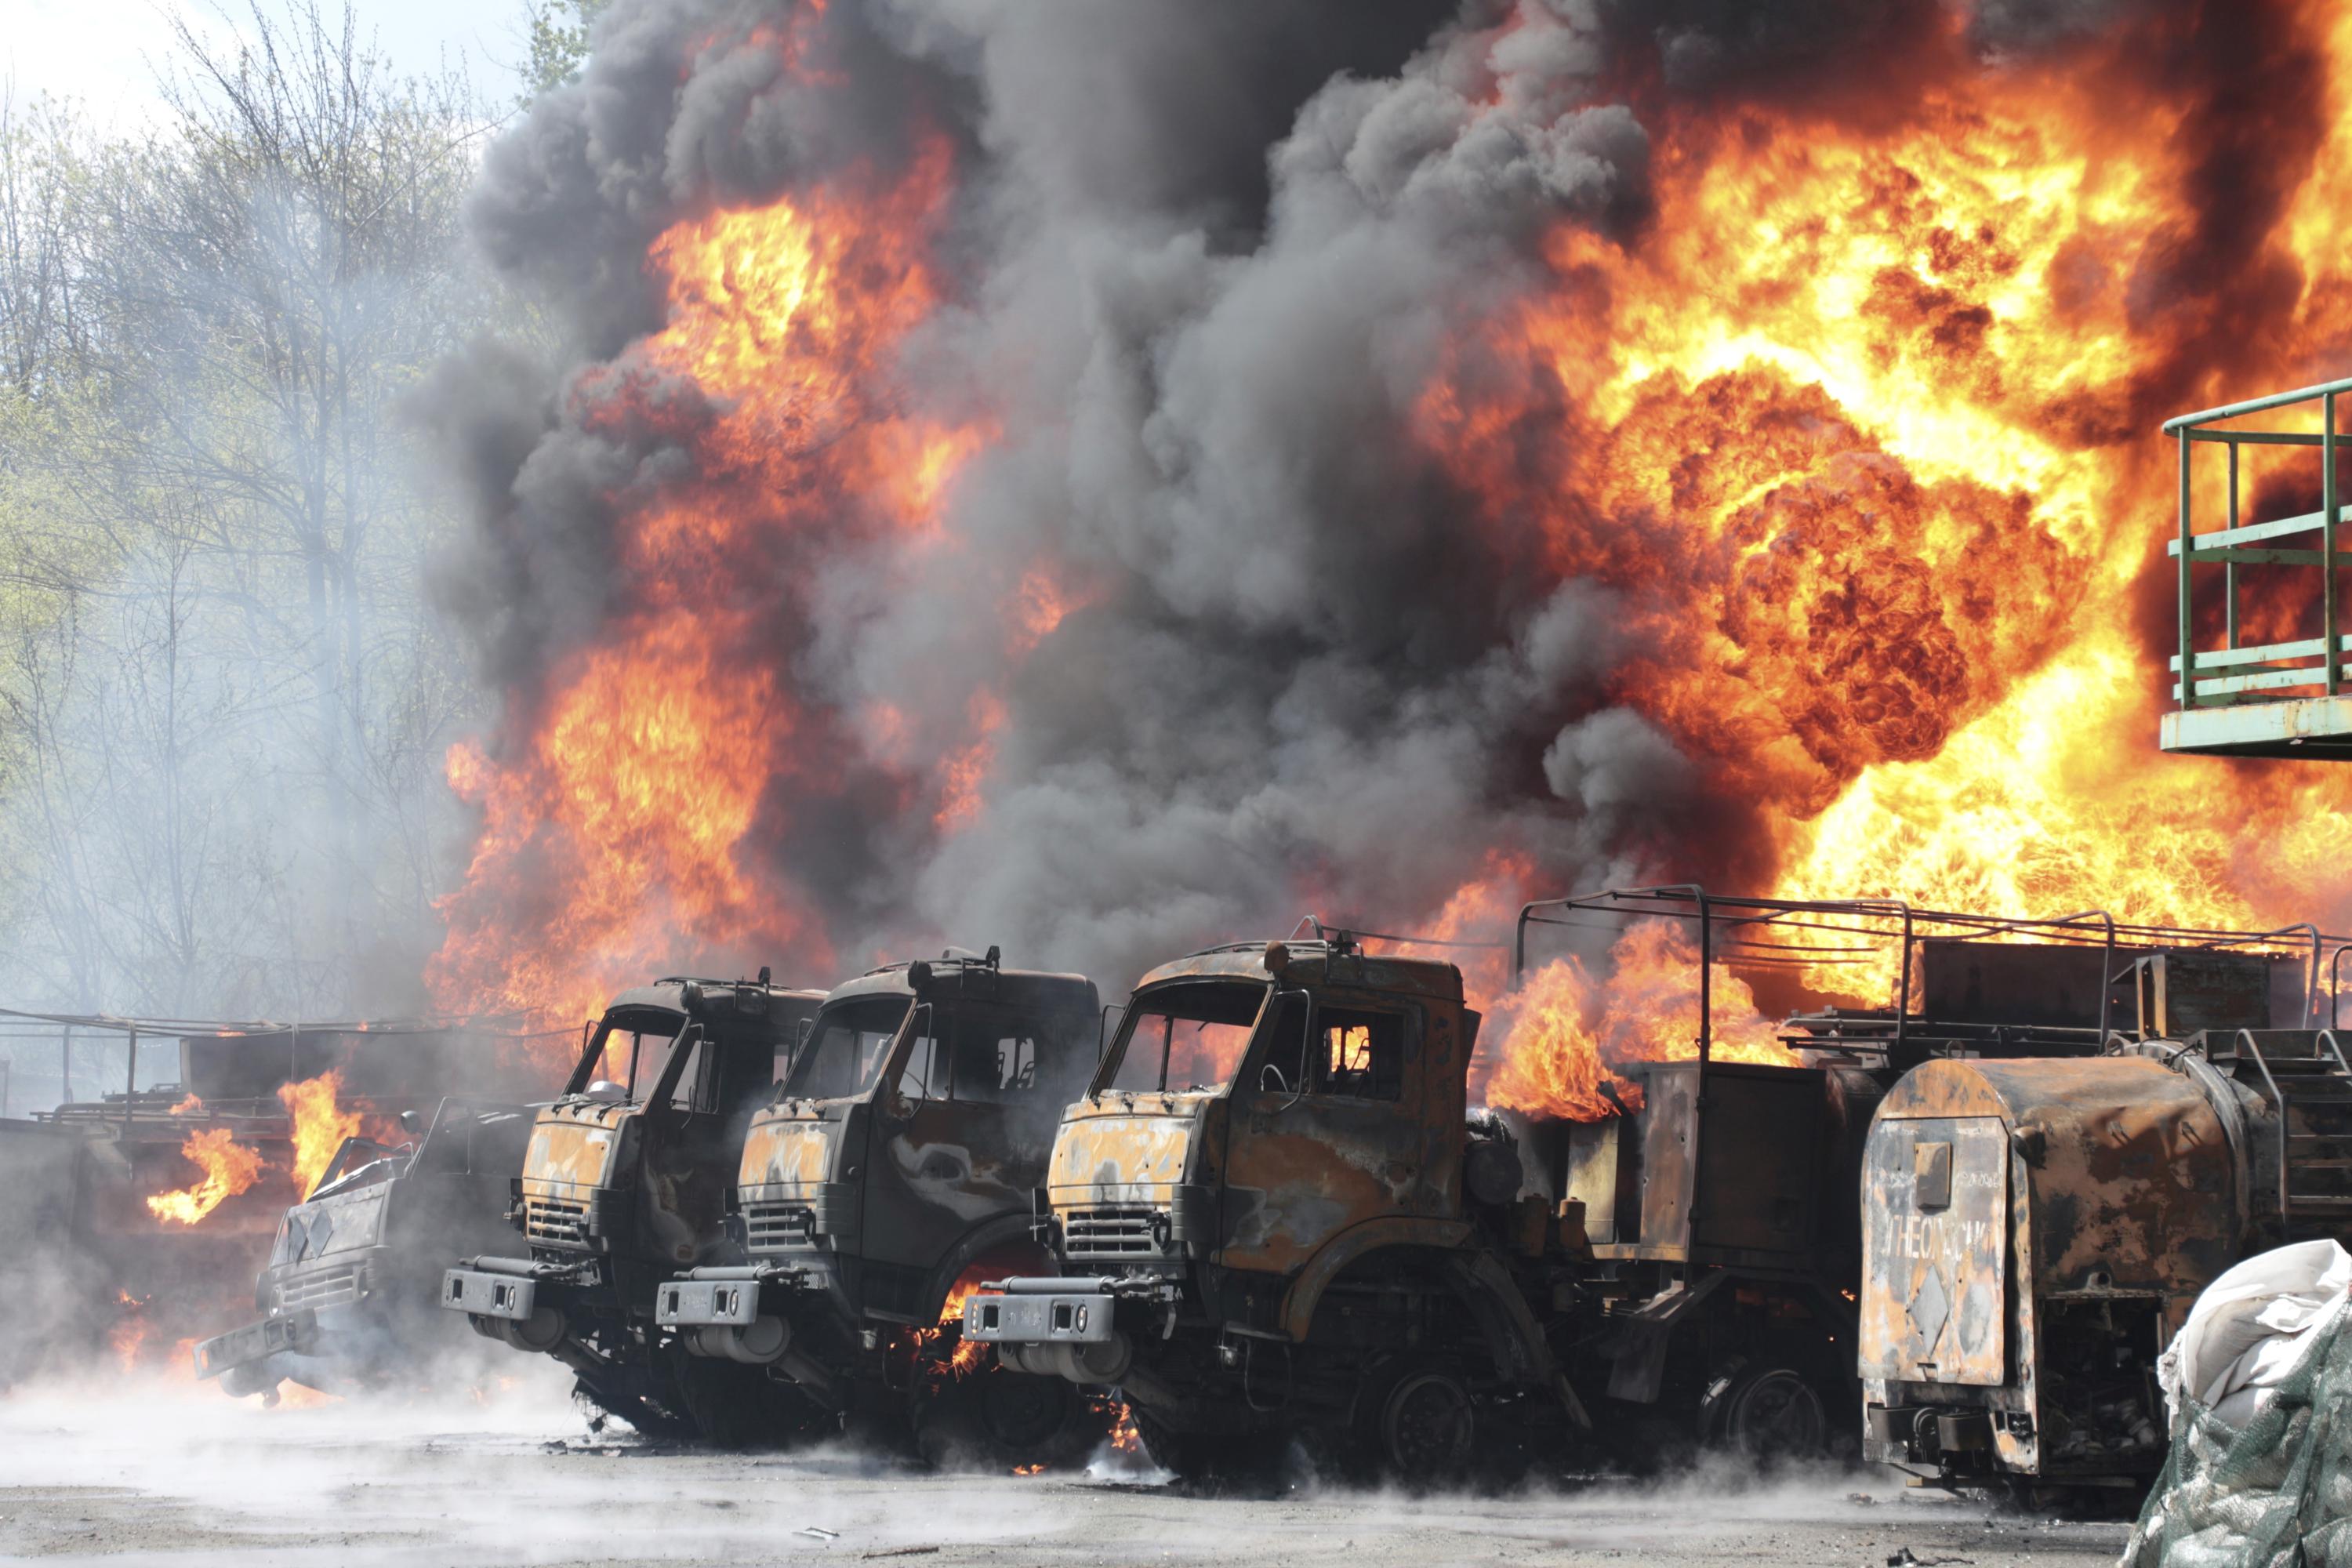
(559, 41)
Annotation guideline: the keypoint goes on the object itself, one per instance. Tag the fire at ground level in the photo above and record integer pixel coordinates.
(166, 1473)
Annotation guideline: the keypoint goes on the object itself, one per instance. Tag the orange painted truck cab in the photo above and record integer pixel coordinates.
(1259, 1208)
(626, 1179)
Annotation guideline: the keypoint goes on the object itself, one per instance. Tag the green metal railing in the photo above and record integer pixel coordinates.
(2270, 671)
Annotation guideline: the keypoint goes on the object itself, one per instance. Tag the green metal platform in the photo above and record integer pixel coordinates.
(2271, 699)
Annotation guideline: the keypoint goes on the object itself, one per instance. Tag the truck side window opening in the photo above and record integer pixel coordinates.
(1361, 1053)
(994, 1066)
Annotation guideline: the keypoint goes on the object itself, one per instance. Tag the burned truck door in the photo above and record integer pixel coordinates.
(961, 1138)
(1939, 1249)
(1339, 1138)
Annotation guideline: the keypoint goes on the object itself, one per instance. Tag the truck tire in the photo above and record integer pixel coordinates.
(741, 1407)
(1415, 1424)
(991, 1419)
(1770, 1409)
(650, 1420)
(1206, 1456)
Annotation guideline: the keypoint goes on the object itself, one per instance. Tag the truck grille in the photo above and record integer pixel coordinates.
(1112, 1232)
(556, 1221)
(318, 1287)
(778, 1228)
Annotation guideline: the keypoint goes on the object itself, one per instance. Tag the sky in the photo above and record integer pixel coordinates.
(103, 53)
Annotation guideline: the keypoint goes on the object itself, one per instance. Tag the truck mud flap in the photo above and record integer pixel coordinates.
(255, 1342)
(485, 1294)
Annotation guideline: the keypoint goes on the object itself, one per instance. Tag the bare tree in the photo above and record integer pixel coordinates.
(227, 709)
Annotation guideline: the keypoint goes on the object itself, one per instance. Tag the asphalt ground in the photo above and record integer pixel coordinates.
(160, 1470)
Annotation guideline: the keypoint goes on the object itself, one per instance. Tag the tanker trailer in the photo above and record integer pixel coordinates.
(2036, 1232)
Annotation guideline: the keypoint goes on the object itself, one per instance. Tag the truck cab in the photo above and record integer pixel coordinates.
(1259, 1208)
(625, 1179)
(890, 1171)
(346, 1295)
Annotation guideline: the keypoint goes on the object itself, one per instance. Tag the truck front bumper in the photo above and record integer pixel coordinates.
(525, 1302)
(242, 1357)
(1058, 1326)
(740, 1313)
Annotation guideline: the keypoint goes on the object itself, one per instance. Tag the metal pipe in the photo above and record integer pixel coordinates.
(2256, 404)
(65, 1066)
(1902, 998)
(2334, 652)
(2230, 568)
(131, 1087)
(1705, 990)
(2278, 1105)
(2188, 658)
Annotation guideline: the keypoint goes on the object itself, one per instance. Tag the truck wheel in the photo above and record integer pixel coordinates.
(1208, 1456)
(1771, 1410)
(650, 1419)
(991, 1419)
(1416, 1424)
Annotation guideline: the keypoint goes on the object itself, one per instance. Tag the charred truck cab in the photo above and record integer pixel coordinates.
(625, 1181)
(1259, 1208)
(346, 1297)
(892, 1170)
(2036, 1232)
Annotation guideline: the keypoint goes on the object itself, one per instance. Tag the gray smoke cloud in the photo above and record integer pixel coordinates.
(1208, 266)
(1212, 261)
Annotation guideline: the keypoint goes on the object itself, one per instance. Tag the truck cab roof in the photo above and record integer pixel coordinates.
(1318, 961)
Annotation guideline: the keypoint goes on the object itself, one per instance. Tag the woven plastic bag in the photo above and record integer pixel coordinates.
(2273, 1488)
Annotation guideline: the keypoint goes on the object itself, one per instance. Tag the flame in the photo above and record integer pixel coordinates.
(320, 1125)
(128, 1332)
(1562, 1035)
(298, 1396)
(229, 1167)
(1124, 1438)
(624, 805)
(1861, 427)
(191, 1106)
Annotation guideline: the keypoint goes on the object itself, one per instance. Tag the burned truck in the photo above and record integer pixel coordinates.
(2036, 1231)
(893, 1170)
(1275, 1217)
(624, 1181)
(346, 1297)
(1262, 1214)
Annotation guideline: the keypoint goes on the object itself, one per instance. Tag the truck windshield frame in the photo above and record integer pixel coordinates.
(849, 1043)
(641, 1026)
(1191, 1028)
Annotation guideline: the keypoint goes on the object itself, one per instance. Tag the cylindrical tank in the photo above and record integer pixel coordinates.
(2033, 1232)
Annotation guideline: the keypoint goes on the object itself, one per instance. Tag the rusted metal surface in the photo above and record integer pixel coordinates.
(788, 1155)
(573, 1146)
(1126, 1148)
(2125, 1168)
(935, 1159)
(1933, 1309)
(2034, 1231)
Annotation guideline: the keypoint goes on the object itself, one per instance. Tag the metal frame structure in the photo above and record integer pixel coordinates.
(2282, 698)
(74, 1033)
(1732, 928)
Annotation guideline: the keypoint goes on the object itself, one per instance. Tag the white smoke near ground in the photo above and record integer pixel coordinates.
(148, 1471)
